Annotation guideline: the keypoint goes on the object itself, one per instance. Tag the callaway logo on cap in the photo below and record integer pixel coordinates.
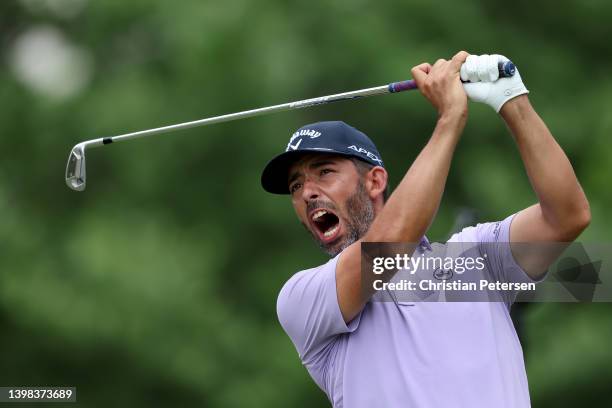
(334, 137)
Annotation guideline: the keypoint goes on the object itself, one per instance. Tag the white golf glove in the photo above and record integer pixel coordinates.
(485, 85)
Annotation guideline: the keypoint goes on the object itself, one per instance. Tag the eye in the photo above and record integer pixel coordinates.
(294, 187)
(325, 171)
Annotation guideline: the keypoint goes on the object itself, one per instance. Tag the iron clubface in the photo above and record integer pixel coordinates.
(75, 168)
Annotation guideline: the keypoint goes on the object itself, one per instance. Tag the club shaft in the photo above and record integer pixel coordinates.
(76, 169)
(379, 90)
(506, 69)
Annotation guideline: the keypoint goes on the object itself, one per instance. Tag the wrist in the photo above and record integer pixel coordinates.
(515, 108)
(451, 123)
(453, 117)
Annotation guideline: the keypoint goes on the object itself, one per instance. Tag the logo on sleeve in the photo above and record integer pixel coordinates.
(496, 230)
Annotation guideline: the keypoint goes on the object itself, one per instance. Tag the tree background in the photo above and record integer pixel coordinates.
(157, 285)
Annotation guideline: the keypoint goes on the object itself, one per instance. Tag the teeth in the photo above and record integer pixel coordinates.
(318, 214)
(331, 232)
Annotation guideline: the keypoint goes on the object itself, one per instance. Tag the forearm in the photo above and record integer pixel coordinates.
(562, 201)
(408, 212)
(411, 208)
(404, 218)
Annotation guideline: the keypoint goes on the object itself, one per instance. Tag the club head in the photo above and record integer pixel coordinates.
(75, 169)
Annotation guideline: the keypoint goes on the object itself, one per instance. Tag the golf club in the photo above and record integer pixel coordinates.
(76, 171)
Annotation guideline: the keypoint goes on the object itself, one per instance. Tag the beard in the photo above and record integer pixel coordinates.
(359, 217)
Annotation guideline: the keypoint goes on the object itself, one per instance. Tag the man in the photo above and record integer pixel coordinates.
(396, 354)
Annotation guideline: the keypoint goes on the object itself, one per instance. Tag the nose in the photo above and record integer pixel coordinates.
(310, 190)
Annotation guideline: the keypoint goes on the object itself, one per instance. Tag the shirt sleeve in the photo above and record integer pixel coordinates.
(494, 240)
(309, 312)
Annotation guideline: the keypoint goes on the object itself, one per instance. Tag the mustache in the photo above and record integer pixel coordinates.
(314, 204)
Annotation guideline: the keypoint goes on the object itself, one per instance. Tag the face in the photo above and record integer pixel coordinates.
(330, 200)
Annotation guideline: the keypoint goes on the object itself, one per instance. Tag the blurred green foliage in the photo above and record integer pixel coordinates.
(157, 285)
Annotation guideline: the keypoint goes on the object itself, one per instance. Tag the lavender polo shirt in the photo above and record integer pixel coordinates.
(398, 354)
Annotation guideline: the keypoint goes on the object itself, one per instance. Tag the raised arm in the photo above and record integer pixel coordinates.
(411, 208)
(562, 212)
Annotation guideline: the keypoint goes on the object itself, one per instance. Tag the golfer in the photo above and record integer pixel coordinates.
(365, 354)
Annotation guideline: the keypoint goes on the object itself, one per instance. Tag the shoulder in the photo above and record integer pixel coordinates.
(307, 279)
(308, 309)
(495, 231)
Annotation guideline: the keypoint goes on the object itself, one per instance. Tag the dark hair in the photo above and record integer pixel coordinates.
(363, 168)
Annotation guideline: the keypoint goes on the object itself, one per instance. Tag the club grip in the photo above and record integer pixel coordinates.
(506, 69)
(402, 86)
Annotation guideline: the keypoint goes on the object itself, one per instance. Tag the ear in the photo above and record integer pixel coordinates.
(376, 182)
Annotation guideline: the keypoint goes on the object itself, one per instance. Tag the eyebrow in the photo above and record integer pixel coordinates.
(314, 165)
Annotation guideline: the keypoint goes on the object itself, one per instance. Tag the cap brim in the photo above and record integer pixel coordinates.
(275, 176)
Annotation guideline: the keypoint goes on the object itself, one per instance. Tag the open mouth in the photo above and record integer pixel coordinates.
(326, 224)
